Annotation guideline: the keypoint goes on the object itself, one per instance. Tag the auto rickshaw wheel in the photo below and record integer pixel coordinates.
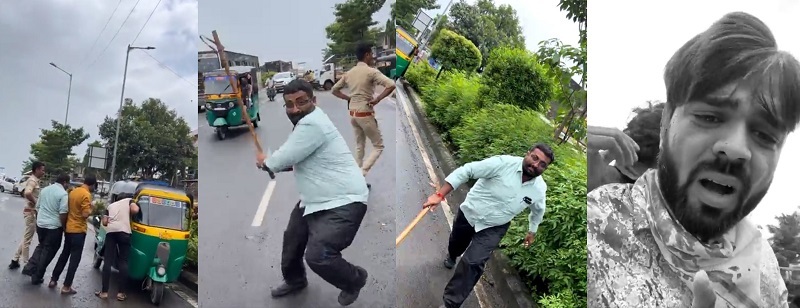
(222, 133)
(156, 292)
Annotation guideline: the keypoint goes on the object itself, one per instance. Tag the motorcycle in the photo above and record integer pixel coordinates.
(271, 93)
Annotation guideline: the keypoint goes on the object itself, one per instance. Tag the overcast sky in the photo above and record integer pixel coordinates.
(274, 30)
(540, 20)
(627, 56)
(38, 32)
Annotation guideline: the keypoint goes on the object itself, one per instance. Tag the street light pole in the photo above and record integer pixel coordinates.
(435, 26)
(69, 92)
(119, 112)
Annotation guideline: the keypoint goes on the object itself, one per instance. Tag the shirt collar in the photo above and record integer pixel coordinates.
(360, 63)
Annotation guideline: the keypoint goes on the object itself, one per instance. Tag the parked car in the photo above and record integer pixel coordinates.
(20, 186)
(7, 185)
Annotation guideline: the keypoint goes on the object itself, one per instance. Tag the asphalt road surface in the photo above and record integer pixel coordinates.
(245, 214)
(421, 276)
(16, 289)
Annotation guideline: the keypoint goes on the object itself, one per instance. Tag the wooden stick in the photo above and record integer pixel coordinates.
(416, 220)
(235, 84)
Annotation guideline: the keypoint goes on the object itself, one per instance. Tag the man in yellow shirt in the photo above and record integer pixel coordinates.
(80, 207)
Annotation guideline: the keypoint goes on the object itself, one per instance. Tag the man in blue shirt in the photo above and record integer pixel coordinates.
(506, 186)
(52, 208)
(333, 196)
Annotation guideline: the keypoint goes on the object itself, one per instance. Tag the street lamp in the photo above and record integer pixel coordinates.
(119, 112)
(69, 92)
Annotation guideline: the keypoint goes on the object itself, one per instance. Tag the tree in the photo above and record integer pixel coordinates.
(565, 62)
(486, 25)
(152, 140)
(785, 241)
(576, 11)
(390, 31)
(454, 51)
(405, 11)
(54, 148)
(352, 25)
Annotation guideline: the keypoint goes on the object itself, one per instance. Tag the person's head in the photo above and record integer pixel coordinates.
(299, 99)
(37, 169)
(364, 53)
(732, 99)
(645, 129)
(536, 161)
(63, 179)
(91, 182)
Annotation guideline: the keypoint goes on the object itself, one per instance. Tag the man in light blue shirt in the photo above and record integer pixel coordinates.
(52, 207)
(333, 196)
(506, 186)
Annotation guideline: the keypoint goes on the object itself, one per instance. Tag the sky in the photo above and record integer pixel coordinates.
(627, 58)
(274, 30)
(38, 32)
(540, 20)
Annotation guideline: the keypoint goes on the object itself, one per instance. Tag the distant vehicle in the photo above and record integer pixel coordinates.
(282, 79)
(20, 186)
(7, 185)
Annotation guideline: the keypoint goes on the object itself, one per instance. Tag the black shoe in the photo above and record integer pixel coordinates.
(36, 281)
(14, 265)
(286, 289)
(348, 297)
(449, 262)
(27, 271)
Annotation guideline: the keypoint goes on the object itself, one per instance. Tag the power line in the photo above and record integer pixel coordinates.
(164, 66)
(101, 32)
(145, 22)
(115, 34)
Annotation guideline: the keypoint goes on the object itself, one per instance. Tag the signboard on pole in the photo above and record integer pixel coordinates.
(98, 157)
(422, 21)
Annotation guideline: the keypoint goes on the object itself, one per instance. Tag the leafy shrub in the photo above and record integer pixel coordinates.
(556, 262)
(420, 75)
(515, 77)
(455, 52)
(451, 98)
(191, 253)
(564, 299)
(99, 207)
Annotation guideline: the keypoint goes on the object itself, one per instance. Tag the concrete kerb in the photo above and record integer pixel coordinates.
(502, 279)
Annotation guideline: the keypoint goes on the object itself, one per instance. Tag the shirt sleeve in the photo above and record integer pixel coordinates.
(538, 208)
(86, 204)
(29, 186)
(381, 79)
(486, 168)
(340, 84)
(63, 203)
(304, 140)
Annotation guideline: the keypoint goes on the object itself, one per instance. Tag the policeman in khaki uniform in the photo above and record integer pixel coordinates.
(361, 81)
(31, 194)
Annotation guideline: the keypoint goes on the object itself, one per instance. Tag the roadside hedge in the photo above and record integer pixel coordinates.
(479, 122)
(456, 52)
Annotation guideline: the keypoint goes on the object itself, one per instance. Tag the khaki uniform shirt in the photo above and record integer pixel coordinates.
(361, 81)
(32, 186)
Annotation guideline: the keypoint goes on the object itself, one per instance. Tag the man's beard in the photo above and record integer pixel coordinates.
(691, 218)
(295, 118)
(532, 174)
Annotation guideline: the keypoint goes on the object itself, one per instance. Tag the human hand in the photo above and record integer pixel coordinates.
(260, 158)
(529, 239)
(432, 202)
(620, 146)
(373, 102)
(704, 296)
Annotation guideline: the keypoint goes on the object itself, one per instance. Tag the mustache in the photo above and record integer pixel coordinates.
(722, 164)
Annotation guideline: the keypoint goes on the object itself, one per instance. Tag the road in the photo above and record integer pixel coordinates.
(16, 289)
(421, 276)
(241, 249)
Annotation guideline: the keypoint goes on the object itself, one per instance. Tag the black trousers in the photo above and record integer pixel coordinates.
(49, 243)
(322, 236)
(117, 247)
(477, 247)
(73, 248)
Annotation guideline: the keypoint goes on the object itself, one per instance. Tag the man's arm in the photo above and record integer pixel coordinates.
(86, 205)
(337, 89)
(63, 209)
(304, 140)
(486, 168)
(384, 81)
(28, 192)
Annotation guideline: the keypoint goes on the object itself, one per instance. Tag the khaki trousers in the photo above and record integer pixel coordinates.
(367, 127)
(27, 237)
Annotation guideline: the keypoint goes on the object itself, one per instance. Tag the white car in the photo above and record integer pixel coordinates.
(7, 185)
(281, 79)
(20, 186)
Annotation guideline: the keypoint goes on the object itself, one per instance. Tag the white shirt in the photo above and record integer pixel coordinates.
(119, 216)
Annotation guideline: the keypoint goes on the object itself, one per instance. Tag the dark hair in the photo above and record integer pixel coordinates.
(62, 179)
(546, 150)
(645, 130)
(297, 85)
(36, 165)
(737, 47)
(363, 49)
(90, 181)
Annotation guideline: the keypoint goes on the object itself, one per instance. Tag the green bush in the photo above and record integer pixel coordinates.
(515, 77)
(452, 97)
(558, 256)
(420, 75)
(565, 299)
(455, 52)
(191, 253)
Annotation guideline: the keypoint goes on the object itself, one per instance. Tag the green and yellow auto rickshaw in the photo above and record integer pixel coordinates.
(405, 50)
(222, 110)
(159, 234)
(387, 65)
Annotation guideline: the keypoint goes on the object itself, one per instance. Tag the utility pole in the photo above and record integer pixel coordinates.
(69, 92)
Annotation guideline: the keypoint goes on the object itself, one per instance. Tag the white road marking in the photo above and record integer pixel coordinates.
(480, 292)
(184, 296)
(262, 207)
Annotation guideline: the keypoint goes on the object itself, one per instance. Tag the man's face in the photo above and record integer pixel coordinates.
(717, 160)
(369, 59)
(298, 105)
(39, 172)
(535, 163)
